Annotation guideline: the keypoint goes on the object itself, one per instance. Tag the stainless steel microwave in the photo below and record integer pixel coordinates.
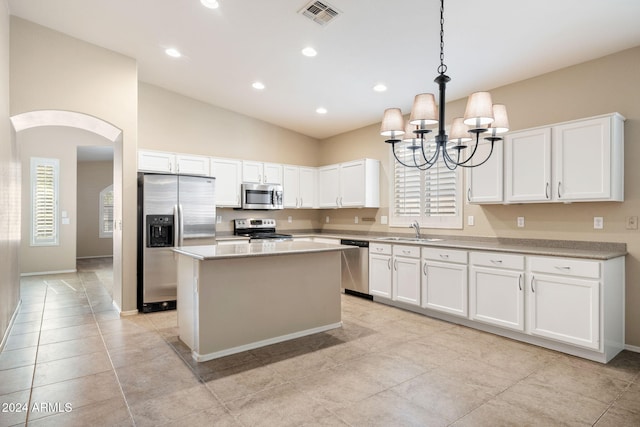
(262, 196)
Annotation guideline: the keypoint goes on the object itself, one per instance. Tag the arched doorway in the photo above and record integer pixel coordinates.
(33, 119)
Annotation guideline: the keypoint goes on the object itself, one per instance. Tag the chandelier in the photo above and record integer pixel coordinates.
(481, 117)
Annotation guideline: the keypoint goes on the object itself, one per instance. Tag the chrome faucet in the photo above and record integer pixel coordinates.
(416, 225)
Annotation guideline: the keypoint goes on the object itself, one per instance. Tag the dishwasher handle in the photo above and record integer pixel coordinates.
(358, 243)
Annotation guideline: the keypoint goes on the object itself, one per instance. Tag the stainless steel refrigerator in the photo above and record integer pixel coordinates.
(173, 210)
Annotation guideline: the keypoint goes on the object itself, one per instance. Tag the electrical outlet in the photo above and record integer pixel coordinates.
(520, 221)
(218, 219)
(289, 219)
(598, 223)
(632, 222)
(470, 220)
(355, 220)
(327, 220)
(384, 219)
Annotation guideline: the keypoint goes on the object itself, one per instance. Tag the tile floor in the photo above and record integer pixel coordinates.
(71, 360)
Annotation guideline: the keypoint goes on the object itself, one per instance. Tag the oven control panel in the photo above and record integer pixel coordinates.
(254, 223)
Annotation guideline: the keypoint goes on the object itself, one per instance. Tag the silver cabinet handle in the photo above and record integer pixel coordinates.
(520, 281)
(565, 268)
(300, 201)
(532, 279)
(469, 194)
(444, 256)
(337, 201)
(406, 252)
(395, 265)
(546, 191)
(559, 184)
(496, 261)
(424, 268)
(389, 263)
(265, 179)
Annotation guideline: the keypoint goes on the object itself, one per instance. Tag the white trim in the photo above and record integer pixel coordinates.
(94, 256)
(633, 348)
(40, 273)
(215, 355)
(123, 313)
(5, 338)
(65, 118)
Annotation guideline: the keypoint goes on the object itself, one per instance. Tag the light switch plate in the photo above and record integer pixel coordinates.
(327, 220)
(520, 221)
(355, 220)
(219, 219)
(470, 220)
(289, 219)
(384, 219)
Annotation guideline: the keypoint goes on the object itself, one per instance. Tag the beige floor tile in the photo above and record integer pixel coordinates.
(16, 358)
(630, 399)
(283, 405)
(77, 393)
(207, 418)
(242, 380)
(619, 417)
(108, 413)
(16, 379)
(65, 322)
(14, 408)
(66, 312)
(71, 348)
(32, 316)
(69, 333)
(70, 368)
(16, 341)
(175, 406)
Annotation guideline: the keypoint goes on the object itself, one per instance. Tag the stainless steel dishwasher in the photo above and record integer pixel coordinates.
(355, 268)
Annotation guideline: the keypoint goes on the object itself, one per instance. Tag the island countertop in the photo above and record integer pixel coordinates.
(244, 250)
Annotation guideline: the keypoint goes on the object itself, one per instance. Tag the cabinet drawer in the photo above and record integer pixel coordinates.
(408, 251)
(379, 248)
(565, 266)
(448, 255)
(497, 259)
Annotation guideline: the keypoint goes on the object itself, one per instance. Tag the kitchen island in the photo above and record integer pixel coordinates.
(237, 297)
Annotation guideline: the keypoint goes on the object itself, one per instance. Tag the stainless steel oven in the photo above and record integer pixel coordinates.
(258, 230)
(262, 196)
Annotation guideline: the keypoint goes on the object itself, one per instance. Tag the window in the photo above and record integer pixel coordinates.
(44, 201)
(106, 212)
(432, 197)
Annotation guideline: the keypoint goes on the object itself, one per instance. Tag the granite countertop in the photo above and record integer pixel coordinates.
(564, 248)
(244, 250)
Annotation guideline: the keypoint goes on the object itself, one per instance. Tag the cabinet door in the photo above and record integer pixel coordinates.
(228, 175)
(484, 182)
(291, 186)
(380, 275)
(565, 309)
(192, 165)
(272, 173)
(308, 187)
(252, 172)
(444, 287)
(329, 186)
(582, 153)
(406, 280)
(352, 184)
(528, 166)
(156, 161)
(497, 297)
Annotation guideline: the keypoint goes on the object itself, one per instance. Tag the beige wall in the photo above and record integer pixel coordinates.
(601, 86)
(10, 191)
(50, 70)
(93, 177)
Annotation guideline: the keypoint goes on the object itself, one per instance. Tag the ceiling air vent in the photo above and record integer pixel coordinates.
(320, 12)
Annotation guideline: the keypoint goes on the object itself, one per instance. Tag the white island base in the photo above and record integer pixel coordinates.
(248, 297)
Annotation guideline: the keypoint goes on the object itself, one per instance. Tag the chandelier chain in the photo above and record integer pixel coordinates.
(442, 68)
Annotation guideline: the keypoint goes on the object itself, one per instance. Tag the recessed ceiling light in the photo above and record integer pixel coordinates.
(211, 4)
(309, 51)
(380, 87)
(172, 52)
(258, 85)
(321, 110)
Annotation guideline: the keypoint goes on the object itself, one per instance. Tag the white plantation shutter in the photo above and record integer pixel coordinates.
(106, 212)
(431, 197)
(44, 201)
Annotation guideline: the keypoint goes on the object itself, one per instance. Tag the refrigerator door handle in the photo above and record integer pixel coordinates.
(180, 225)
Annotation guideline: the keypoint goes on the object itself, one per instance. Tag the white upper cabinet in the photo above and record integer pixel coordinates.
(192, 165)
(589, 159)
(228, 175)
(350, 184)
(528, 166)
(299, 186)
(261, 173)
(159, 161)
(577, 161)
(156, 161)
(484, 182)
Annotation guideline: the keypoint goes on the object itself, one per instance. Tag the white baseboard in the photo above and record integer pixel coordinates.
(10, 325)
(42, 273)
(633, 348)
(94, 256)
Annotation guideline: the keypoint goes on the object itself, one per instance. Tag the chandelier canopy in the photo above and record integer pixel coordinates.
(481, 117)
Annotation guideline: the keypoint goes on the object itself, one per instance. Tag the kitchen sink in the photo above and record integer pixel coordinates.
(411, 239)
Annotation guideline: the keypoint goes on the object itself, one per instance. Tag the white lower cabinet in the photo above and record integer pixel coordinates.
(406, 274)
(497, 289)
(380, 277)
(564, 300)
(444, 281)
